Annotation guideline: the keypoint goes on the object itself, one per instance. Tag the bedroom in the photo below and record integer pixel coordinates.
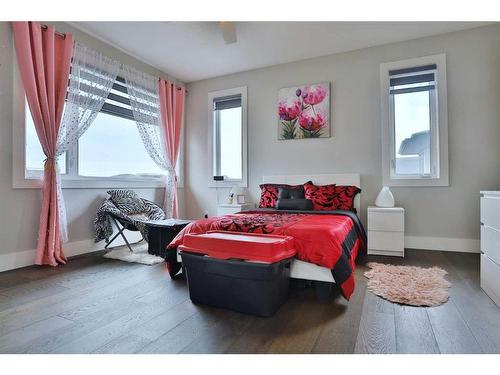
(224, 109)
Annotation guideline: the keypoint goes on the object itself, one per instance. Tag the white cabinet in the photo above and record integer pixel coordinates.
(226, 209)
(490, 244)
(386, 231)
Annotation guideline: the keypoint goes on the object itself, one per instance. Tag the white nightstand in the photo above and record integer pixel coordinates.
(386, 231)
(225, 209)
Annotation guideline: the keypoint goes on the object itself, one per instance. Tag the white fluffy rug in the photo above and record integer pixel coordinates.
(140, 254)
(408, 285)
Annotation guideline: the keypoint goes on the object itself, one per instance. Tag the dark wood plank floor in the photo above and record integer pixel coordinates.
(98, 305)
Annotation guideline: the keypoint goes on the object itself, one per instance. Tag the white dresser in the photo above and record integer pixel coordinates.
(386, 231)
(226, 209)
(490, 244)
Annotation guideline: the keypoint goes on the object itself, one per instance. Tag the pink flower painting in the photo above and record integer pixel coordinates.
(303, 111)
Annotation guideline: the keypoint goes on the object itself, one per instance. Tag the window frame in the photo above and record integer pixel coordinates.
(26, 179)
(212, 130)
(433, 134)
(438, 125)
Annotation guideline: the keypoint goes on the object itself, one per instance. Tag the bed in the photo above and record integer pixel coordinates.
(306, 270)
(328, 242)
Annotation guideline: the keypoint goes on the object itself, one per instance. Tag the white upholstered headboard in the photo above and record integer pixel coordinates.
(320, 179)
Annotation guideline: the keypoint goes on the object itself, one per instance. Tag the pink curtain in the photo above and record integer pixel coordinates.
(44, 60)
(172, 118)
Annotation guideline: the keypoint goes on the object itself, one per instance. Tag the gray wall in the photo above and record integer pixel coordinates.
(473, 73)
(19, 208)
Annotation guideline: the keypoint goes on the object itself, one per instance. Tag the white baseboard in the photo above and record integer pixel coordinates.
(26, 258)
(462, 245)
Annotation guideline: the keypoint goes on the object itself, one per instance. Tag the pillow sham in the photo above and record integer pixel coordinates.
(269, 193)
(331, 197)
(344, 197)
(321, 196)
(127, 201)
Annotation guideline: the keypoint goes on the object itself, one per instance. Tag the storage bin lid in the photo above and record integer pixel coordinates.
(236, 245)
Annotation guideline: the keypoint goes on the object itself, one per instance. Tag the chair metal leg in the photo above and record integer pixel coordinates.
(109, 242)
(120, 232)
(126, 241)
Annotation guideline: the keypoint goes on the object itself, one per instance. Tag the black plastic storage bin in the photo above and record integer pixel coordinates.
(247, 287)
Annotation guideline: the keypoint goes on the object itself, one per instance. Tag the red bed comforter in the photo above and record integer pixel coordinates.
(332, 240)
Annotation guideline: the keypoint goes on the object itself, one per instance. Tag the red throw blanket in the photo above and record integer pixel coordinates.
(328, 240)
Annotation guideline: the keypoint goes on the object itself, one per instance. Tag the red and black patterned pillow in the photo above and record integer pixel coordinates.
(331, 197)
(269, 193)
(344, 197)
(321, 196)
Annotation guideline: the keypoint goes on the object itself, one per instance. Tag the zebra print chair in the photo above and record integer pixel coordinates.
(127, 211)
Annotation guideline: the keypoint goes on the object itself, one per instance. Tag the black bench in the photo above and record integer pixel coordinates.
(161, 233)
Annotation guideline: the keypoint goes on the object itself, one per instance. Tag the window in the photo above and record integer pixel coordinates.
(413, 106)
(227, 110)
(414, 122)
(110, 151)
(124, 156)
(227, 130)
(33, 152)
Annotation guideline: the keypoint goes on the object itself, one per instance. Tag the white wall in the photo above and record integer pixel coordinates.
(436, 217)
(19, 208)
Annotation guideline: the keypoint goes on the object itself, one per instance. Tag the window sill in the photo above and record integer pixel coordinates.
(227, 184)
(417, 182)
(96, 183)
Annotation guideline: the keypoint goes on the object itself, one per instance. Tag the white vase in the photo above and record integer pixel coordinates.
(385, 198)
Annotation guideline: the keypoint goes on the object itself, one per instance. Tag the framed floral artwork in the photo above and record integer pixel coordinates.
(304, 111)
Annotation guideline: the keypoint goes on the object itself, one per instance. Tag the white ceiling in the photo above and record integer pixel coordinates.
(192, 51)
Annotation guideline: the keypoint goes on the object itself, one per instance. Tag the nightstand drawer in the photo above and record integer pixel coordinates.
(490, 243)
(490, 273)
(228, 209)
(490, 211)
(386, 241)
(386, 221)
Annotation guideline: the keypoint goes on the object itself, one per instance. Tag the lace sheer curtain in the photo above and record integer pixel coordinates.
(144, 99)
(91, 78)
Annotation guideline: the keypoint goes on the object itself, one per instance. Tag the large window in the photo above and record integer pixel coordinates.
(33, 153)
(112, 147)
(413, 122)
(228, 135)
(110, 150)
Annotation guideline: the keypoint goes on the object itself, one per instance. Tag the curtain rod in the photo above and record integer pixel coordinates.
(62, 35)
(175, 83)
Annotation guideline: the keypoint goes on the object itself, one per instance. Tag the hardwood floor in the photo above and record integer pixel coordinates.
(98, 305)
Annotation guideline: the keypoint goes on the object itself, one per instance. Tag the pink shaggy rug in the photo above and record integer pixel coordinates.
(407, 285)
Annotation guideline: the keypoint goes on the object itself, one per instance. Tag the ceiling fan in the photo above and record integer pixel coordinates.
(228, 30)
